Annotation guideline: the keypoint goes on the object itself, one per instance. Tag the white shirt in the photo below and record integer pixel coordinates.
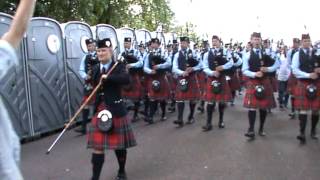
(9, 141)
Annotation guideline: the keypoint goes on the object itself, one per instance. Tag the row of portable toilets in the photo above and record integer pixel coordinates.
(45, 89)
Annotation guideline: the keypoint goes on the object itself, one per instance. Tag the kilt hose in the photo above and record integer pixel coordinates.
(223, 96)
(120, 136)
(163, 93)
(192, 93)
(301, 102)
(250, 100)
(292, 82)
(134, 90)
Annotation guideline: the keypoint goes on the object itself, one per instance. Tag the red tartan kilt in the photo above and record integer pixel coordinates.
(292, 82)
(301, 102)
(120, 137)
(193, 92)
(250, 100)
(224, 96)
(172, 84)
(274, 83)
(136, 91)
(90, 102)
(244, 80)
(234, 82)
(164, 92)
(202, 80)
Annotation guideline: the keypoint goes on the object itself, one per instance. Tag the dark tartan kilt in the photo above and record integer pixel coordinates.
(224, 96)
(202, 80)
(172, 84)
(292, 82)
(120, 136)
(274, 83)
(234, 82)
(164, 92)
(85, 97)
(244, 80)
(135, 90)
(193, 92)
(144, 88)
(250, 100)
(301, 102)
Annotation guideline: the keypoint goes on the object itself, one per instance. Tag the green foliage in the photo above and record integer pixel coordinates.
(119, 13)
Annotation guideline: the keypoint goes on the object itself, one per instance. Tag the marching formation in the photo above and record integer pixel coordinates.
(211, 77)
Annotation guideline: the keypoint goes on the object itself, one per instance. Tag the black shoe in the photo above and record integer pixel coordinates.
(135, 119)
(314, 136)
(149, 120)
(171, 109)
(250, 135)
(292, 115)
(190, 121)
(201, 109)
(81, 131)
(179, 122)
(302, 138)
(163, 118)
(232, 103)
(262, 133)
(207, 127)
(121, 176)
(221, 125)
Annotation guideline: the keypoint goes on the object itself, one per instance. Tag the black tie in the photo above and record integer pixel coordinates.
(258, 52)
(307, 52)
(103, 70)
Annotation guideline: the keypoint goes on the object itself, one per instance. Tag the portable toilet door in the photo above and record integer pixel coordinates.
(127, 32)
(75, 34)
(46, 73)
(143, 36)
(13, 88)
(108, 31)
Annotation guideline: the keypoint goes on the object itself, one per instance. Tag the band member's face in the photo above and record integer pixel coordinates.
(306, 43)
(91, 47)
(104, 54)
(184, 44)
(256, 42)
(141, 49)
(296, 45)
(266, 45)
(127, 45)
(169, 49)
(215, 43)
(155, 45)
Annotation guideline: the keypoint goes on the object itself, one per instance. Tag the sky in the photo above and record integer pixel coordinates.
(237, 19)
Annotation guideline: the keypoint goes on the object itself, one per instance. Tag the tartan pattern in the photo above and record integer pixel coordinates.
(224, 96)
(250, 100)
(135, 93)
(301, 102)
(292, 82)
(164, 92)
(193, 92)
(120, 137)
(234, 82)
(202, 79)
(274, 83)
(172, 84)
(91, 102)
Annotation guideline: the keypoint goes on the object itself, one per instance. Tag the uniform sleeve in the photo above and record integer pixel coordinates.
(8, 57)
(239, 62)
(139, 63)
(146, 69)
(167, 62)
(295, 68)
(205, 65)
(175, 68)
(245, 66)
